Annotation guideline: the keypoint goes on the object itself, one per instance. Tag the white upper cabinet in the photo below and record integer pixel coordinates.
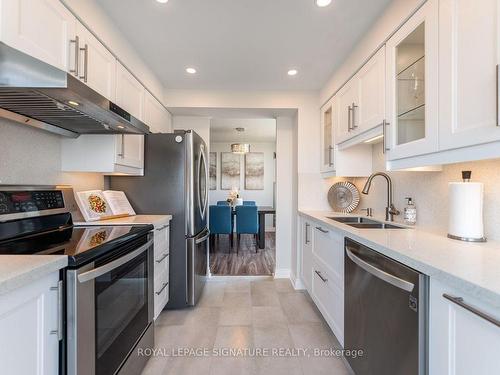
(130, 150)
(156, 116)
(44, 29)
(327, 137)
(469, 50)
(96, 65)
(412, 85)
(347, 99)
(129, 92)
(370, 111)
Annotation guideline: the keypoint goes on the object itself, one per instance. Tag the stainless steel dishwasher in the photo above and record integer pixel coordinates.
(386, 309)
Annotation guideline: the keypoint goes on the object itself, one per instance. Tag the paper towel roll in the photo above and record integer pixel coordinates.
(466, 211)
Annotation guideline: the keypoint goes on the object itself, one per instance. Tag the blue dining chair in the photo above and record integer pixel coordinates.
(222, 203)
(246, 223)
(249, 203)
(220, 222)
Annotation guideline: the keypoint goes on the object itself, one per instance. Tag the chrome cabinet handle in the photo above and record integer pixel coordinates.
(161, 228)
(384, 133)
(122, 147)
(353, 126)
(162, 258)
(330, 163)
(85, 62)
(307, 238)
(59, 290)
(382, 275)
(322, 230)
(460, 302)
(349, 117)
(325, 280)
(77, 55)
(162, 288)
(202, 239)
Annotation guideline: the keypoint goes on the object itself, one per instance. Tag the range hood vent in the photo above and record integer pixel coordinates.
(35, 93)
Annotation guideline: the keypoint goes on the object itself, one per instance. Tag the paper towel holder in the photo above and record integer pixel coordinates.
(466, 177)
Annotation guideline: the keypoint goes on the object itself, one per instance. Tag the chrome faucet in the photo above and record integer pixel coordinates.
(390, 210)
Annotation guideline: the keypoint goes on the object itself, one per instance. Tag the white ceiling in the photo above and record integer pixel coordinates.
(243, 44)
(256, 130)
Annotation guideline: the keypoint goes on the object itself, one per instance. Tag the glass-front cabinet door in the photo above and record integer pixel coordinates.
(327, 137)
(412, 86)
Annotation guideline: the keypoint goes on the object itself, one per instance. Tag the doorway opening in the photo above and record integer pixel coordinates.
(242, 196)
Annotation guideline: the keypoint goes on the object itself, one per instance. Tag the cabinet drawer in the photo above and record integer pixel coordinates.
(161, 240)
(330, 299)
(329, 248)
(162, 266)
(160, 296)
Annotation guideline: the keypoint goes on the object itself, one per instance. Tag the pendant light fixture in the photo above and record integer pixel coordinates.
(240, 148)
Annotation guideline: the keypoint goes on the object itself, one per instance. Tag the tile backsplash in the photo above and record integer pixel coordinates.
(33, 157)
(430, 192)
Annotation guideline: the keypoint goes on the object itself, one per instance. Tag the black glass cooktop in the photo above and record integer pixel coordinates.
(81, 244)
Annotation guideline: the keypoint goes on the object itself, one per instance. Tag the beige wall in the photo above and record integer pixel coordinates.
(33, 157)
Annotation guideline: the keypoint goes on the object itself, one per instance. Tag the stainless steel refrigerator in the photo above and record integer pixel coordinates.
(175, 182)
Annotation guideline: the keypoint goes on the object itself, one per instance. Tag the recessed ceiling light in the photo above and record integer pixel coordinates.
(162, 1)
(323, 3)
(72, 102)
(292, 72)
(191, 70)
(121, 127)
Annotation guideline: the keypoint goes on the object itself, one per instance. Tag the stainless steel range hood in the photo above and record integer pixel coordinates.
(38, 94)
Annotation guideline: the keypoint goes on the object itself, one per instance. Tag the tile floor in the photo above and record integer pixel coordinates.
(242, 313)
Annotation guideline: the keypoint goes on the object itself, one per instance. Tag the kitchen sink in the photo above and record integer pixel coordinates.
(353, 219)
(364, 223)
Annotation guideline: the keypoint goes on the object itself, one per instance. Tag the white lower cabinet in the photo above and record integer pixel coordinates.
(322, 272)
(29, 323)
(329, 298)
(108, 154)
(161, 266)
(461, 341)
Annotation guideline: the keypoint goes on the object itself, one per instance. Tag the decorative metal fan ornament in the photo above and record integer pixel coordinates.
(343, 197)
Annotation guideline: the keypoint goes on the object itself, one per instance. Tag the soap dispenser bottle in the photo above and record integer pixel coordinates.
(410, 212)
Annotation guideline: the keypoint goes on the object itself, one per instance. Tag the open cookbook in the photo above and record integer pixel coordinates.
(100, 205)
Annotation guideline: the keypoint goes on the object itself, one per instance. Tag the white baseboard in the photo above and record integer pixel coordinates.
(297, 283)
(282, 273)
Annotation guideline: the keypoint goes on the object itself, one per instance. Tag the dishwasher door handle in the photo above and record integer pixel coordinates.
(382, 275)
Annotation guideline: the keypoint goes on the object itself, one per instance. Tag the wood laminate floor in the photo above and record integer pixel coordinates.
(224, 261)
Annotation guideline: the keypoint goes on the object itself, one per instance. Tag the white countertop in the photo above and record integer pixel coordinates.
(473, 268)
(19, 270)
(129, 220)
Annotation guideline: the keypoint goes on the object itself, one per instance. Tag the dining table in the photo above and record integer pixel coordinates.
(262, 211)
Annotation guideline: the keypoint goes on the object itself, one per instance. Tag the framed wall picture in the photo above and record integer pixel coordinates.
(212, 171)
(230, 171)
(254, 171)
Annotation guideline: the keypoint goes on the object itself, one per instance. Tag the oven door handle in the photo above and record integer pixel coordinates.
(382, 275)
(99, 271)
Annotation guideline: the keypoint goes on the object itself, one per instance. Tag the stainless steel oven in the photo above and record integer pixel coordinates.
(110, 311)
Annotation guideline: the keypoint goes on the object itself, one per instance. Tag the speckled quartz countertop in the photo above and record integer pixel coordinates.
(20, 270)
(130, 220)
(473, 268)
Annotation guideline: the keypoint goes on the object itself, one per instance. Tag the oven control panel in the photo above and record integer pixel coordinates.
(14, 202)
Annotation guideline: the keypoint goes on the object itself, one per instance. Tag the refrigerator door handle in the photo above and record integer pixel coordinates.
(202, 200)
